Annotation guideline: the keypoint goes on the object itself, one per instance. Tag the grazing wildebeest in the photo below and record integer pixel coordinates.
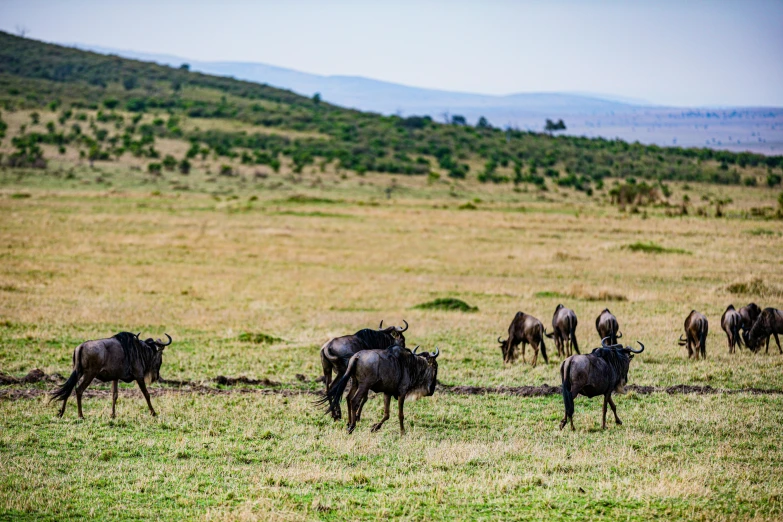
(395, 372)
(123, 357)
(524, 329)
(601, 372)
(730, 322)
(336, 353)
(696, 328)
(749, 314)
(564, 326)
(769, 323)
(606, 324)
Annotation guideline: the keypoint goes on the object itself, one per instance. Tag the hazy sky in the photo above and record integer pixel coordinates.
(668, 52)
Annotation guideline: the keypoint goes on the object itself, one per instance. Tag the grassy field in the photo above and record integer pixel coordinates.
(89, 252)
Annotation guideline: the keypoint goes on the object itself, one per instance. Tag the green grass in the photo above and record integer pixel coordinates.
(243, 456)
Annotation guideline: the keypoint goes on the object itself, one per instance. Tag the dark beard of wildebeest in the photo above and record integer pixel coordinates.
(769, 323)
(607, 326)
(696, 328)
(123, 357)
(396, 372)
(749, 313)
(730, 322)
(524, 329)
(564, 326)
(336, 353)
(601, 372)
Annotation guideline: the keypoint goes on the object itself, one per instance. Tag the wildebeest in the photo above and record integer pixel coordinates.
(395, 372)
(336, 352)
(601, 372)
(696, 328)
(606, 325)
(730, 322)
(749, 313)
(123, 357)
(524, 329)
(769, 323)
(564, 326)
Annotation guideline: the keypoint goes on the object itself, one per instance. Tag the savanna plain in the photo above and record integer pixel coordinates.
(251, 275)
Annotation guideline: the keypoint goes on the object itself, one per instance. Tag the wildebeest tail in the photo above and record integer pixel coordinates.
(335, 393)
(703, 341)
(574, 342)
(543, 348)
(568, 399)
(63, 392)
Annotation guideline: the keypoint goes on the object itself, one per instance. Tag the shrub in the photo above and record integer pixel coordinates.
(773, 179)
(184, 166)
(169, 162)
(654, 248)
(154, 168)
(447, 303)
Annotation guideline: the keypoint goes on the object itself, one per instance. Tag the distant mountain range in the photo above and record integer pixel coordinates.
(756, 129)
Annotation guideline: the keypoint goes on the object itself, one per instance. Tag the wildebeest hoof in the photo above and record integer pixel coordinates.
(376, 427)
(562, 425)
(351, 428)
(154, 414)
(619, 422)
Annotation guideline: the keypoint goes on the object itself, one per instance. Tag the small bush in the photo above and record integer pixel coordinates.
(755, 287)
(154, 168)
(447, 303)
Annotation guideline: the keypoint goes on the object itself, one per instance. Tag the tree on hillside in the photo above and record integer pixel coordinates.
(317, 98)
(483, 123)
(552, 126)
(458, 119)
(185, 67)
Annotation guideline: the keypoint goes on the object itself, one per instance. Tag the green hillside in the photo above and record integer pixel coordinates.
(44, 77)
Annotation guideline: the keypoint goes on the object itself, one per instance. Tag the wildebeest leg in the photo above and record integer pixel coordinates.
(358, 401)
(114, 393)
(524, 344)
(386, 402)
(401, 415)
(336, 411)
(80, 390)
(146, 394)
(349, 404)
(535, 353)
(614, 410)
(603, 419)
(778, 341)
(767, 350)
(690, 349)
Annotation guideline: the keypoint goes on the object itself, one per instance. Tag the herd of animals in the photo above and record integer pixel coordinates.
(378, 360)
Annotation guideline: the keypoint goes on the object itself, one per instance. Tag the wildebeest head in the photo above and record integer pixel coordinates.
(395, 331)
(428, 379)
(620, 359)
(153, 370)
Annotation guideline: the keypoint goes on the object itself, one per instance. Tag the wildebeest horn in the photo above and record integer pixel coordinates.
(619, 335)
(636, 351)
(400, 328)
(437, 352)
(603, 341)
(161, 344)
(415, 349)
(137, 335)
(381, 325)
(501, 341)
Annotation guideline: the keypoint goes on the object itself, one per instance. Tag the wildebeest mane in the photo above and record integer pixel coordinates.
(618, 360)
(134, 350)
(374, 339)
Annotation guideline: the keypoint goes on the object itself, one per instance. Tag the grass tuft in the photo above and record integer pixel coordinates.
(258, 338)
(653, 248)
(756, 287)
(447, 303)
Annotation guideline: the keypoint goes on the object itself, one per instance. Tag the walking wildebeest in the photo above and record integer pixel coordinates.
(396, 372)
(606, 325)
(336, 353)
(123, 357)
(730, 322)
(696, 328)
(601, 372)
(564, 326)
(769, 323)
(524, 329)
(749, 314)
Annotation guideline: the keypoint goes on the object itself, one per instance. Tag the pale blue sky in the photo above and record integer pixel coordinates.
(667, 52)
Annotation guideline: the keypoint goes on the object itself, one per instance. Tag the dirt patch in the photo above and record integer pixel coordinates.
(34, 376)
(16, 389)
